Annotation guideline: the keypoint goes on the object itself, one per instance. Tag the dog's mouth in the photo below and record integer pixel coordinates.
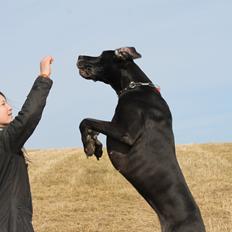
(85, 72)
(85, 69)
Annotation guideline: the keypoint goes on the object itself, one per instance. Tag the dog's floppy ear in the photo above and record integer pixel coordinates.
(127, 52)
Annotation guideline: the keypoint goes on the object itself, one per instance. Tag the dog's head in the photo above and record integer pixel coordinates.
(107, 66)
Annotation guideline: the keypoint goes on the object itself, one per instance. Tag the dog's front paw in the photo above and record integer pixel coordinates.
(95, 146)
(92, 146)
(98, 149)
(89, 146)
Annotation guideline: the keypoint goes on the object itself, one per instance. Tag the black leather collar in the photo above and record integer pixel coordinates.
(133, 85)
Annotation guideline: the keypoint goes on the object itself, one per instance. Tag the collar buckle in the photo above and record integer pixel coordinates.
(132, 85)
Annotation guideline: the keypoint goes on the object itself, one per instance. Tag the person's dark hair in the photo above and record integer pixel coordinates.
(2, 94)
(23, 151)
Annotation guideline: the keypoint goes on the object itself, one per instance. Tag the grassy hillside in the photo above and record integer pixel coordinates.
(73, 193)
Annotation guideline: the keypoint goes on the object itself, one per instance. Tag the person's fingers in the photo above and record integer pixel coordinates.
(45, 65)
(48, 59)
(51, 60)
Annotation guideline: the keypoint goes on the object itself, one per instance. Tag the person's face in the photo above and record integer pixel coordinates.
(5, 112)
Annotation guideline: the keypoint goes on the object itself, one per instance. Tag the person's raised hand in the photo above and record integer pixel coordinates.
(45, 66)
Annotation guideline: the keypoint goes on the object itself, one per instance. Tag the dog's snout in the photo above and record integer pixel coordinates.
(80, 62)
(81, 57)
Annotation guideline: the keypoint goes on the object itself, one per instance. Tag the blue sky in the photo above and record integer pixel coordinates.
(185, 46)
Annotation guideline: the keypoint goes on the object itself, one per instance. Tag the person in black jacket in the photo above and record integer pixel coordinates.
(15, 194)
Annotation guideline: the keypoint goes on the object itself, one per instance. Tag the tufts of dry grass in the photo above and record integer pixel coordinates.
(73, 193)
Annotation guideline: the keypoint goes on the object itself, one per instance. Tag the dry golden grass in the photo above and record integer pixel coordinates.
(73, 193)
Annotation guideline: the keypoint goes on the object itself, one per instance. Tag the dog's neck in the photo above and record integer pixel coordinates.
(127, 78)
(133, 73)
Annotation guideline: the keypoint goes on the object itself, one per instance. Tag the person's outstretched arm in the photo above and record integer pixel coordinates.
(23, 125)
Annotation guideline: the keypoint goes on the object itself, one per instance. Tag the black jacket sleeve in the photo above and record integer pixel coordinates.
(23, 125)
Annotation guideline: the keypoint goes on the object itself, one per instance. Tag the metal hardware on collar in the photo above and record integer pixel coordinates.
(133, 85)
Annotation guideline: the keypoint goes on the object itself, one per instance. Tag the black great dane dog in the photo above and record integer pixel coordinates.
(140, 141)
